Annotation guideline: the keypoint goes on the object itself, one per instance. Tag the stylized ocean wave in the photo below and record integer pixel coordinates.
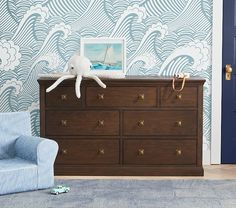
(146, 45)
(24, 34)
(8, 22)
(122, 27)
(8, 95)
(186, 35)
(191, 15)
(138, 68)
(163, 37)
(161, 7)
(50, 45)
(207, 9)
(148, 59)
(51, 41)
(51, 58)
(9, 55)
(71, 45)
(62, 7)
(13, 83)
(94, 17)
(196, 54)
(115, 8)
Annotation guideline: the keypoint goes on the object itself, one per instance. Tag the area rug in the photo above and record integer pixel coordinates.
(130, 194)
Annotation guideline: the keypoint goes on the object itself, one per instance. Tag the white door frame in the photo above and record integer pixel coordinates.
(217, 34)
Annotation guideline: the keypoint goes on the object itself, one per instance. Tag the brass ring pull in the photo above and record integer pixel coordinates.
(179, 123)
(141, 123)
(141, 96)
(64, 122)
(101, 151)
(179, 96)
(141, 152)
(64, 151)
(64, 97)
(178, 152)
(101, 123)
(182, 86)
(101, 97)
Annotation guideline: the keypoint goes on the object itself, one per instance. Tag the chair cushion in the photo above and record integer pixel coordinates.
(12, 125)
(17, 175)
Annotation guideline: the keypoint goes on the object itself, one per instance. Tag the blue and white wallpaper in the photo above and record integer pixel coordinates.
(163, 37)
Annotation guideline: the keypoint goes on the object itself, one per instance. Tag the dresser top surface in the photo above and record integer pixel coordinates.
(133, 78)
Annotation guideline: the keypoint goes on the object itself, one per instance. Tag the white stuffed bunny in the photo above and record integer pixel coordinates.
(78, 66)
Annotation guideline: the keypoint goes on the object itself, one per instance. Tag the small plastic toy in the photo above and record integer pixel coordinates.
(60, 189)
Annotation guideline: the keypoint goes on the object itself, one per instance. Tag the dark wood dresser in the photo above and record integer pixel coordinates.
(136, 126)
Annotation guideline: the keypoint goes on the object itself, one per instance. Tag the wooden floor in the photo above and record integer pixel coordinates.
(211, 172)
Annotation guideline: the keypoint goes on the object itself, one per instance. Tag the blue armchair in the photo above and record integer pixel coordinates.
(26, 162)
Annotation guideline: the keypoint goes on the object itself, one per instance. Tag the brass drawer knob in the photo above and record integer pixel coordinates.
(141, 123)
(64, 97)
(141, 96)
(64, 122)
(141, 152)
(179, 123)
(179, 96)
(178, 152)
(64, 151)
(101, 151)
(101, 123)
(101, 97)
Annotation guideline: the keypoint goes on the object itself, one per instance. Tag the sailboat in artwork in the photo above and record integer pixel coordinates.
(109, 62)
(109, 57)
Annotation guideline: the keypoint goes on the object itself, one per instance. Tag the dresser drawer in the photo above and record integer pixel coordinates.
(186, 98)
(165, 122)
(62, 97)
(88, 151)
(121, 96)
(156, 152)
(82, 122)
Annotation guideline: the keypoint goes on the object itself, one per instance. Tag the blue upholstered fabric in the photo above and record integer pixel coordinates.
(26, 162)
(12, 125)
(38, 149)
(42, 152)
(17, 175)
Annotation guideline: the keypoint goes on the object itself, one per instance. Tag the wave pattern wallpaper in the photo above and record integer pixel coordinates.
(39, 36)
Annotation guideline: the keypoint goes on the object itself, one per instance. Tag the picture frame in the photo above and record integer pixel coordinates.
(107, 55)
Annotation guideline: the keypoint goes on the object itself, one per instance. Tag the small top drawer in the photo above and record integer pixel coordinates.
(186, 98)
(62, 97)
(121, 96)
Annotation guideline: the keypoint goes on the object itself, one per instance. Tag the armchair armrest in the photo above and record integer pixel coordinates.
(39, 150)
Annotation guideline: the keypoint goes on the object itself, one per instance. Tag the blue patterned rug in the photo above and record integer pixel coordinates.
(130, 194)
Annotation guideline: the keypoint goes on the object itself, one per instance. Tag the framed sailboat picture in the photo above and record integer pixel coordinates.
(107, 55)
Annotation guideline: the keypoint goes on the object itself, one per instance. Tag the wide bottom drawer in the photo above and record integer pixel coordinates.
(153, 152)
(88, 152)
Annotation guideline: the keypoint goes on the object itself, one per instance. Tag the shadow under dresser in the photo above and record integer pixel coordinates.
(136, 126)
